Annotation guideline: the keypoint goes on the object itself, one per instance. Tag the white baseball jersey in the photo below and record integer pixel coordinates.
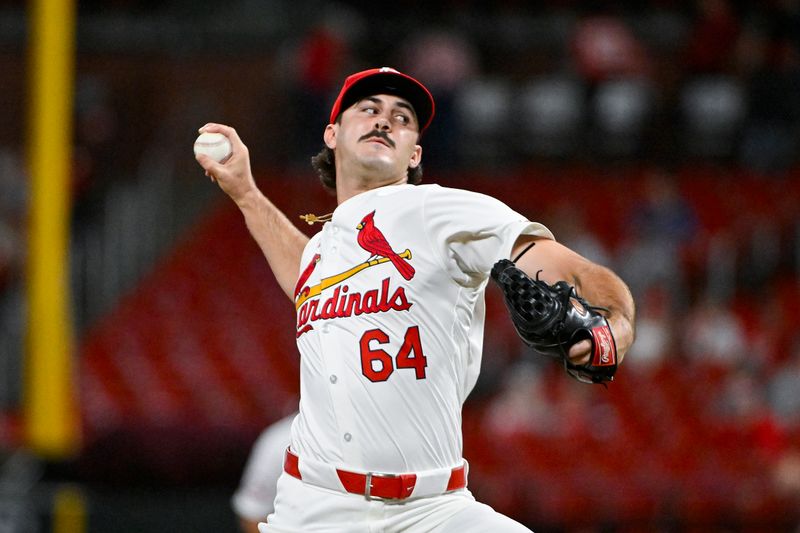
(390, 316)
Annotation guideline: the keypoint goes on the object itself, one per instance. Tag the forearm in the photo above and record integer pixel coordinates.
(281, 242)
(598, 285)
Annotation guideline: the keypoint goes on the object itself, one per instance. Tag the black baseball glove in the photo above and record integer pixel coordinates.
(551, 318)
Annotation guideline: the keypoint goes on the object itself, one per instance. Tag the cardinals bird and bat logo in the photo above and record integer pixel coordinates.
(372, 240)
(343, 303)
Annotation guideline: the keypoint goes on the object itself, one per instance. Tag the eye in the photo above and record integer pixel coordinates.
(402, 118)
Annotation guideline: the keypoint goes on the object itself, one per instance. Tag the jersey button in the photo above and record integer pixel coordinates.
(348, 437)
(333, 378)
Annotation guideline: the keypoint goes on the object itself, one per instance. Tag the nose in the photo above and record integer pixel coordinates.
(382, 123)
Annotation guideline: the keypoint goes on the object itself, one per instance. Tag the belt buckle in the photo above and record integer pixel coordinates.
(368, 487)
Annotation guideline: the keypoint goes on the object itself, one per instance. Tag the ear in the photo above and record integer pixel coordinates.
(329, 136)
(416, 157)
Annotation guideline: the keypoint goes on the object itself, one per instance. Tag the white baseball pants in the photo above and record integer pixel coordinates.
(304, 508)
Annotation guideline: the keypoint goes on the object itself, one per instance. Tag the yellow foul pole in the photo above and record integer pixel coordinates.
(51, 421)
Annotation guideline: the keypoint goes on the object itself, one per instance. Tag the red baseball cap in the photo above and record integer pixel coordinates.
(385, 80)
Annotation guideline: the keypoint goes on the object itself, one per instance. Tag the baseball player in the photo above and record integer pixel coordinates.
(389, 296)
(253, 499)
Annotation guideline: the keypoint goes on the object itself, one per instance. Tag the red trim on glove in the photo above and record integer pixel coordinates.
(605, 349)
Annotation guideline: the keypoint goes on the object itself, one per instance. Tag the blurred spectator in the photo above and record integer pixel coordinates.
(13, 321)
(759, 253)
(712, 98)
(254, 498)
(741, 410)
(568, 222)
(720, 268)
(655, 339)
(483, 111)
(644, 263)
(604, 47)
(712, 38)
(581, 414)
(664, 215)
(771, 64)
(614, 65)
(442, 57)
(10, 252)
(96, 154)
(660, 225)
(502, 346)
(712, 109)
(445, 60)
(316, 67)
(522, 405)
(538, 399)
(768, 328)
(782, 389)
(13, 212)
(550, 115)
(740, 399)
(714, 334)
(786, 475)
(621, 109)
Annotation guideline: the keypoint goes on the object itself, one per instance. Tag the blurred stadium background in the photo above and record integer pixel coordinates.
(659, 137)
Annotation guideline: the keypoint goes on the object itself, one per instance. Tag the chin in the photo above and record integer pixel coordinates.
(379, 165)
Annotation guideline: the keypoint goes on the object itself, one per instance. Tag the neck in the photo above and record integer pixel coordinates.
(350, 184)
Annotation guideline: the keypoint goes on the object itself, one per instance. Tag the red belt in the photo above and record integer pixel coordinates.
(378, 486)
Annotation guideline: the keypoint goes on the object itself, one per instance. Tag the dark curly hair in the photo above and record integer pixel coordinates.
(325, 165)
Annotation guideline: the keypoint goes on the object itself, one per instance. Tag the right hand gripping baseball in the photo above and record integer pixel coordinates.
(552, 318)
(234, 175)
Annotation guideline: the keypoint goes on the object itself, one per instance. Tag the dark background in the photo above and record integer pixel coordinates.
(659, 138)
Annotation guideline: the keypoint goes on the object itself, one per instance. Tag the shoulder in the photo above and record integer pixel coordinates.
(462, 199)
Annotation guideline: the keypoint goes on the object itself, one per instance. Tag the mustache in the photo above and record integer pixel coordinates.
(379, 134)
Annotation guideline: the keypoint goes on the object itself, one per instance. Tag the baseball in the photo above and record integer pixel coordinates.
(214, 145)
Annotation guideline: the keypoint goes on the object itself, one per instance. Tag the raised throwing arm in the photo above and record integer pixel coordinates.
(281, 242)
